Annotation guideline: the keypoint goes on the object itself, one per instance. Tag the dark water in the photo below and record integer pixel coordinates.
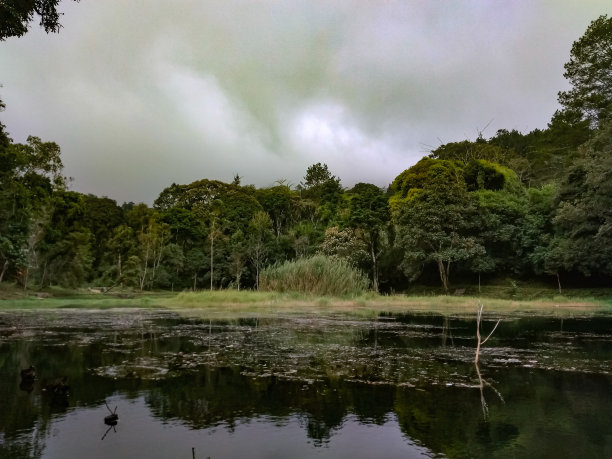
(396, 386)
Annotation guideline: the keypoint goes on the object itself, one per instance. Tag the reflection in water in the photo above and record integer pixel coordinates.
(110, 427)
(482, 383)
(337, 387)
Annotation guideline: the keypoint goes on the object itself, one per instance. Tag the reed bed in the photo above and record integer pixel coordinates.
(317, 275)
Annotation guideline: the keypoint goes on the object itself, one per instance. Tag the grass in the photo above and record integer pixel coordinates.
(234, 303)
(318, 274)
(219, 302)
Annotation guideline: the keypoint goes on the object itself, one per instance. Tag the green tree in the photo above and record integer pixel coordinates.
(589, 72)
(583, 218)
(324, 190)
(344, 244)
(500, 221)
(316, 175)
(435, 222)
(278, 202)
(260, 233)
(16, 16)
(195, 263)
(369, 214)
(121, 245)
(101, 216)
(62, 255)
(29, 175)
(152, 242)
(237, 257)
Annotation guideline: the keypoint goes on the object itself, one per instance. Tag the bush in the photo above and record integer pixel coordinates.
(320, 275)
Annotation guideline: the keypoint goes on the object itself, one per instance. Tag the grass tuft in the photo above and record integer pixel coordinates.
(317, 275)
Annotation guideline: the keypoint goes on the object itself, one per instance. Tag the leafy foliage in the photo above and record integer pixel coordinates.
(589, 71)
(17, 15)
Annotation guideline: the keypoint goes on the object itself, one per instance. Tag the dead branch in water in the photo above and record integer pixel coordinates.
(478, 336)
(482, 382)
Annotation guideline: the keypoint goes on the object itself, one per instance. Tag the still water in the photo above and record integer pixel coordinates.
(329, 387)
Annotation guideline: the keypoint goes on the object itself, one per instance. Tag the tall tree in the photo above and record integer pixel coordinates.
(369, 213)
(260, 233)
(29, 175)
(589, 71)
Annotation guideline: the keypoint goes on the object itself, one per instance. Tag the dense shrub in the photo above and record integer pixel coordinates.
(320, 275)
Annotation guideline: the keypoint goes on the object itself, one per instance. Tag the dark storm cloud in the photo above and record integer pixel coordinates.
(142, 94)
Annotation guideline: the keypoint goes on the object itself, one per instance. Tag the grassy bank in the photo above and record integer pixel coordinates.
(234, 303)
(269, 302)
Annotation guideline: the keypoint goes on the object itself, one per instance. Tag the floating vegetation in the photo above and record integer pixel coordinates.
(412, 350)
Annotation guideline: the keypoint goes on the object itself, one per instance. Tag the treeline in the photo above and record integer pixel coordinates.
(521, 205)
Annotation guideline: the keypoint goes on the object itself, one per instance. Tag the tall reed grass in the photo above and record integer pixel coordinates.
(318, 275)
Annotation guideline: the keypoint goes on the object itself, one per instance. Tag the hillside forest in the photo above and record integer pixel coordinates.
(518, 205)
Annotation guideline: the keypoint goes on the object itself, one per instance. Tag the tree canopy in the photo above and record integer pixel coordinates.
(589, 72)
(16, 16)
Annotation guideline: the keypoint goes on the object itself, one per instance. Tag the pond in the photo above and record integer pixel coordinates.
(188, 386)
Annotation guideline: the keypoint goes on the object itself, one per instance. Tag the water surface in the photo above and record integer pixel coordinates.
(392, 386)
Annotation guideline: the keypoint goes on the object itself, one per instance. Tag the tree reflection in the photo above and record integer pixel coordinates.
(320, 373)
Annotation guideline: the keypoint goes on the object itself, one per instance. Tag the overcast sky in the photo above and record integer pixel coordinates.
(143, 93)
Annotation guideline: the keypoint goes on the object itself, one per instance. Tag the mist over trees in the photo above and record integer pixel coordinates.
(536, 204)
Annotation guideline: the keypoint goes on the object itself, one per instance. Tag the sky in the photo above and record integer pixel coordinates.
(146, 93)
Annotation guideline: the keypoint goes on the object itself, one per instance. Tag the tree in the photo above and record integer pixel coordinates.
(121, 245)
(435, 222)
(316, 175)
(500, 222)
(29, 175)
(277, 201)
(589, 72)
(15, 16)
(195, 262)
(101, 216)
(467, 151)
(237, 257)
(344, 244)
(583, 218)
(215, 231)
(62, 253)
(260, 233)
(323, 189)
(369, 213)
(152, 242)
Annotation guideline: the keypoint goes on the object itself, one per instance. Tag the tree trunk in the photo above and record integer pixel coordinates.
(4, 268)
(25, 278)
(374, 268)
(44, 274)
(443, 275)
(559, 282)
(143, 277)
(157, 257)
(212, 267)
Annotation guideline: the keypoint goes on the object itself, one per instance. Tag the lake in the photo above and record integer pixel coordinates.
(184, 386)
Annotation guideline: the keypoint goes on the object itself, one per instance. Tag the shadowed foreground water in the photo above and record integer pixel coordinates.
(393, 386)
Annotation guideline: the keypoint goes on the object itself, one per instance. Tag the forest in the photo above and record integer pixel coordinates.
(534, 205)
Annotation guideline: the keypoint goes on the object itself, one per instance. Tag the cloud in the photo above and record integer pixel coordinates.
(143, 94)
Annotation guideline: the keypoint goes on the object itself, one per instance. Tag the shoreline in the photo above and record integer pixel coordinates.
(233, 303)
